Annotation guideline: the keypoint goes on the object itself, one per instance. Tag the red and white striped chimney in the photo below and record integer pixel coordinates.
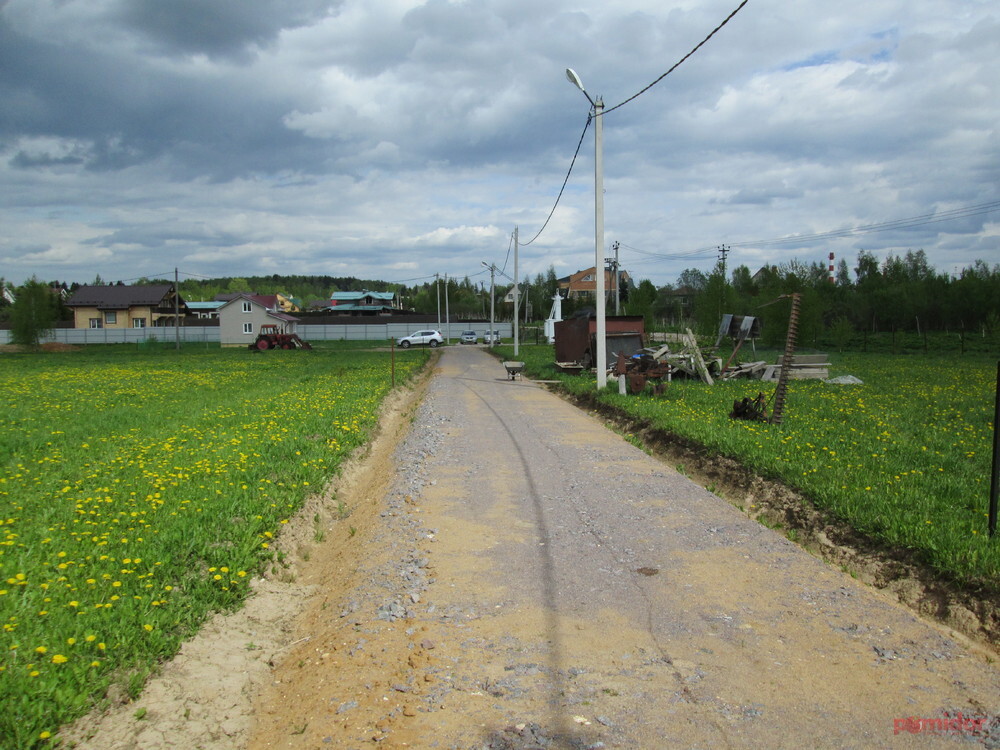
(831, 268)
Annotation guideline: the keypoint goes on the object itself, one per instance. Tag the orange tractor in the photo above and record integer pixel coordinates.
(270, 338)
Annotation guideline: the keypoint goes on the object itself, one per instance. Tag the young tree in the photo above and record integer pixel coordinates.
(641, 301)
(716, 299)
(693, 279)
(33, 314)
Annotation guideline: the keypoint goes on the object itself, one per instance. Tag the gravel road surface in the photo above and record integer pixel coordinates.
(533, 580)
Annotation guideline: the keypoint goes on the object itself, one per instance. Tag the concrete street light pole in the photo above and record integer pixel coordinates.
(600, 359)
(490, 337)
(516, 296)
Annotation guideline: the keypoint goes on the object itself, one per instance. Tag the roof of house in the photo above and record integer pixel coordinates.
(120, 297)
(348, 307)
(268, 301)
(352, 296)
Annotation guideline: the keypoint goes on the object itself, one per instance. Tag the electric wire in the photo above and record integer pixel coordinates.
(415, 278)
(679, 62)
(702, 252)
(621, 104)
(908, 223)
(510, 244)
(566, 180)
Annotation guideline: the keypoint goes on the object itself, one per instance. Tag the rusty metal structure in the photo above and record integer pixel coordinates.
(752, 409)
(781, 390)
(755, 409)
(642, 369)
(271, 338)
(576, 338)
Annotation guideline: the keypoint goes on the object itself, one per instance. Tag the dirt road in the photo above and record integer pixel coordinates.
(518, 576)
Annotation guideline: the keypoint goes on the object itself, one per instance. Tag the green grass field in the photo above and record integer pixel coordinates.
(904, 458)
(140, 491)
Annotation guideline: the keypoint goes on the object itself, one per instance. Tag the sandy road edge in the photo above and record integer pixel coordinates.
(203, 696)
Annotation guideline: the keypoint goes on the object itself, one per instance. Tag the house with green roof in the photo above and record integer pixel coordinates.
(362, 303)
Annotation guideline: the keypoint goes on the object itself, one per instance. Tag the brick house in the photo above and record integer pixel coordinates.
(584, 283)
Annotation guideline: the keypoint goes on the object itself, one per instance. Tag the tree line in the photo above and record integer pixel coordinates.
(902, 293)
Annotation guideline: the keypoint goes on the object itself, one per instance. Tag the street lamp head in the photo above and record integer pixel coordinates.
(573, 78)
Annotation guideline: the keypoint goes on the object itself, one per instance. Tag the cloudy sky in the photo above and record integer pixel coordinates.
(396, 139)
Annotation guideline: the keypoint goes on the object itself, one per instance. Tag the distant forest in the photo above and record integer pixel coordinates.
(306, 289)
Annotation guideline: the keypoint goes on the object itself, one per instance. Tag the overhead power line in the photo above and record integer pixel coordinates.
(690, 254)
(679, 62)
(634, 96)
(563, 188)
(907, 223)
(415, 278)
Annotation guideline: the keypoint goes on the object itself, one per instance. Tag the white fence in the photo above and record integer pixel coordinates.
(210, 334)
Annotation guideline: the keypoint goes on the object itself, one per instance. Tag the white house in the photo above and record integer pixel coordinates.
(240, 319)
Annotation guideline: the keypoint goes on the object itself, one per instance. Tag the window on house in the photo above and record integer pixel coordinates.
(247, 307)
(95, 323)
(248, 328)
(138, 322)
(111, 318)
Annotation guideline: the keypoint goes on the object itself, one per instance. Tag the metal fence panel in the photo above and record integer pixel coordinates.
(210, 334)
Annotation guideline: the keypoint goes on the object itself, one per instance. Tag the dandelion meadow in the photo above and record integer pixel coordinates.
(905, 457)
(140, 492)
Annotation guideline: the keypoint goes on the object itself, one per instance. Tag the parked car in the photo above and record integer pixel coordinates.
(430, 338)
(490, 338)
(469, 337)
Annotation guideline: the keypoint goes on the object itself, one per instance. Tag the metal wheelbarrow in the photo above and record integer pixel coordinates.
(513, 369)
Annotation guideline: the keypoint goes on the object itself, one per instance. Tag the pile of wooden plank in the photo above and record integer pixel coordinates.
(752, 370)
(685, 360)
(803, 367)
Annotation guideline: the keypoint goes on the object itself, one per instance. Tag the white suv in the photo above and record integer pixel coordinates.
(431, 338)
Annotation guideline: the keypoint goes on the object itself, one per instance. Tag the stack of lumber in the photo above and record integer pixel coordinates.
(803, 367)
